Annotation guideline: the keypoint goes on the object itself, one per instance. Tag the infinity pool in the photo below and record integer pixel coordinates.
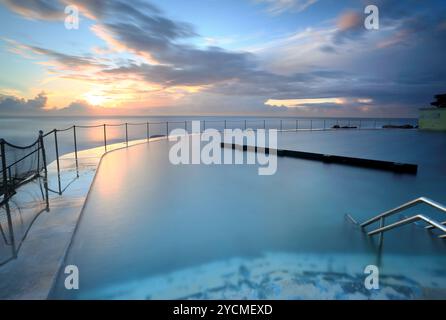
(153, 230)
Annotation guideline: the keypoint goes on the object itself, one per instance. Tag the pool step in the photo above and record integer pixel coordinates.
(432, 224)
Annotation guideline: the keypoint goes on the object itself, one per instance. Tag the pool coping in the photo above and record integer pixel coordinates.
(34, 272)
(132, 143)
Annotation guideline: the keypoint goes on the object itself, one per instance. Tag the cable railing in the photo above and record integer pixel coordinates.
(29, 166)
(59, 149)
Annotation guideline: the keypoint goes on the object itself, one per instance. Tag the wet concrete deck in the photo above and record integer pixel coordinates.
(32, 274)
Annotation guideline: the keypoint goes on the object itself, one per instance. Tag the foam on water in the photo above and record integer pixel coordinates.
(287, 276)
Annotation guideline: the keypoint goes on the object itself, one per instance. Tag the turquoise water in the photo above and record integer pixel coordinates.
(154, 230)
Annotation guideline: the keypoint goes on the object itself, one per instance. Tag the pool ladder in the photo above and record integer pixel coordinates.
(432, 224)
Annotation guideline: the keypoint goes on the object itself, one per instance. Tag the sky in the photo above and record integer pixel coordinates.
(215, 57)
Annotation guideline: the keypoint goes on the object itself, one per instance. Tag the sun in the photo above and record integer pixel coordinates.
(95, 98)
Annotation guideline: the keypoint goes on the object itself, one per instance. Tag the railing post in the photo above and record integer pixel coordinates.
(126, 135)
(280, 125)
(6, 198)
(4, 175)
(204, 125)
(167, 129)
(105, 137)
(245, 125)
(38, 158)
(297, 124)
(45, 170)
(185, 126)
(57, 161)
(148, 132)
(264, 124)
(10, 177)
(311, 124)
(75, 150)
(324, 124)
(381, 235)
(225, 124)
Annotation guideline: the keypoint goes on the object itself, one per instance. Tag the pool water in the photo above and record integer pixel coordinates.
(153, 230)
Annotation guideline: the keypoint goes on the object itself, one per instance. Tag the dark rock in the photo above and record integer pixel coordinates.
(404, 126)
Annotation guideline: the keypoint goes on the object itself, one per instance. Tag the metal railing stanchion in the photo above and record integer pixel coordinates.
(148, 131)
(45, 170)
(105, 137)
(6, 198)
(126, 135)
(56, 145)
(75, 151)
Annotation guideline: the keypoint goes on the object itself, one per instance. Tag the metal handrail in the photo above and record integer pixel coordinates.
(431, 227)
(414, 218)
(405, 206)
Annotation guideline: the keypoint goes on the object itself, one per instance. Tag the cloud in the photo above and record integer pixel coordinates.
(349, 20)
(36, 9)
(150, 34)
(297, 103)
(78, 107)
(397, 67)
(350, 25)
(277, 7)
(65, 61)
(14, 105)
(98, 9)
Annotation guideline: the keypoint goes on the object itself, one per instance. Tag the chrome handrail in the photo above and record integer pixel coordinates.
(431, 227)
(405, 206)
(414, 218)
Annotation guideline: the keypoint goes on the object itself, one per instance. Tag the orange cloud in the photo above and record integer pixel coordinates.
(117, 46)
(349, 20)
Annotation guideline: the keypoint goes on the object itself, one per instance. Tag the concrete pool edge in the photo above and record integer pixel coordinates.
(117, 148)
(32, 274)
